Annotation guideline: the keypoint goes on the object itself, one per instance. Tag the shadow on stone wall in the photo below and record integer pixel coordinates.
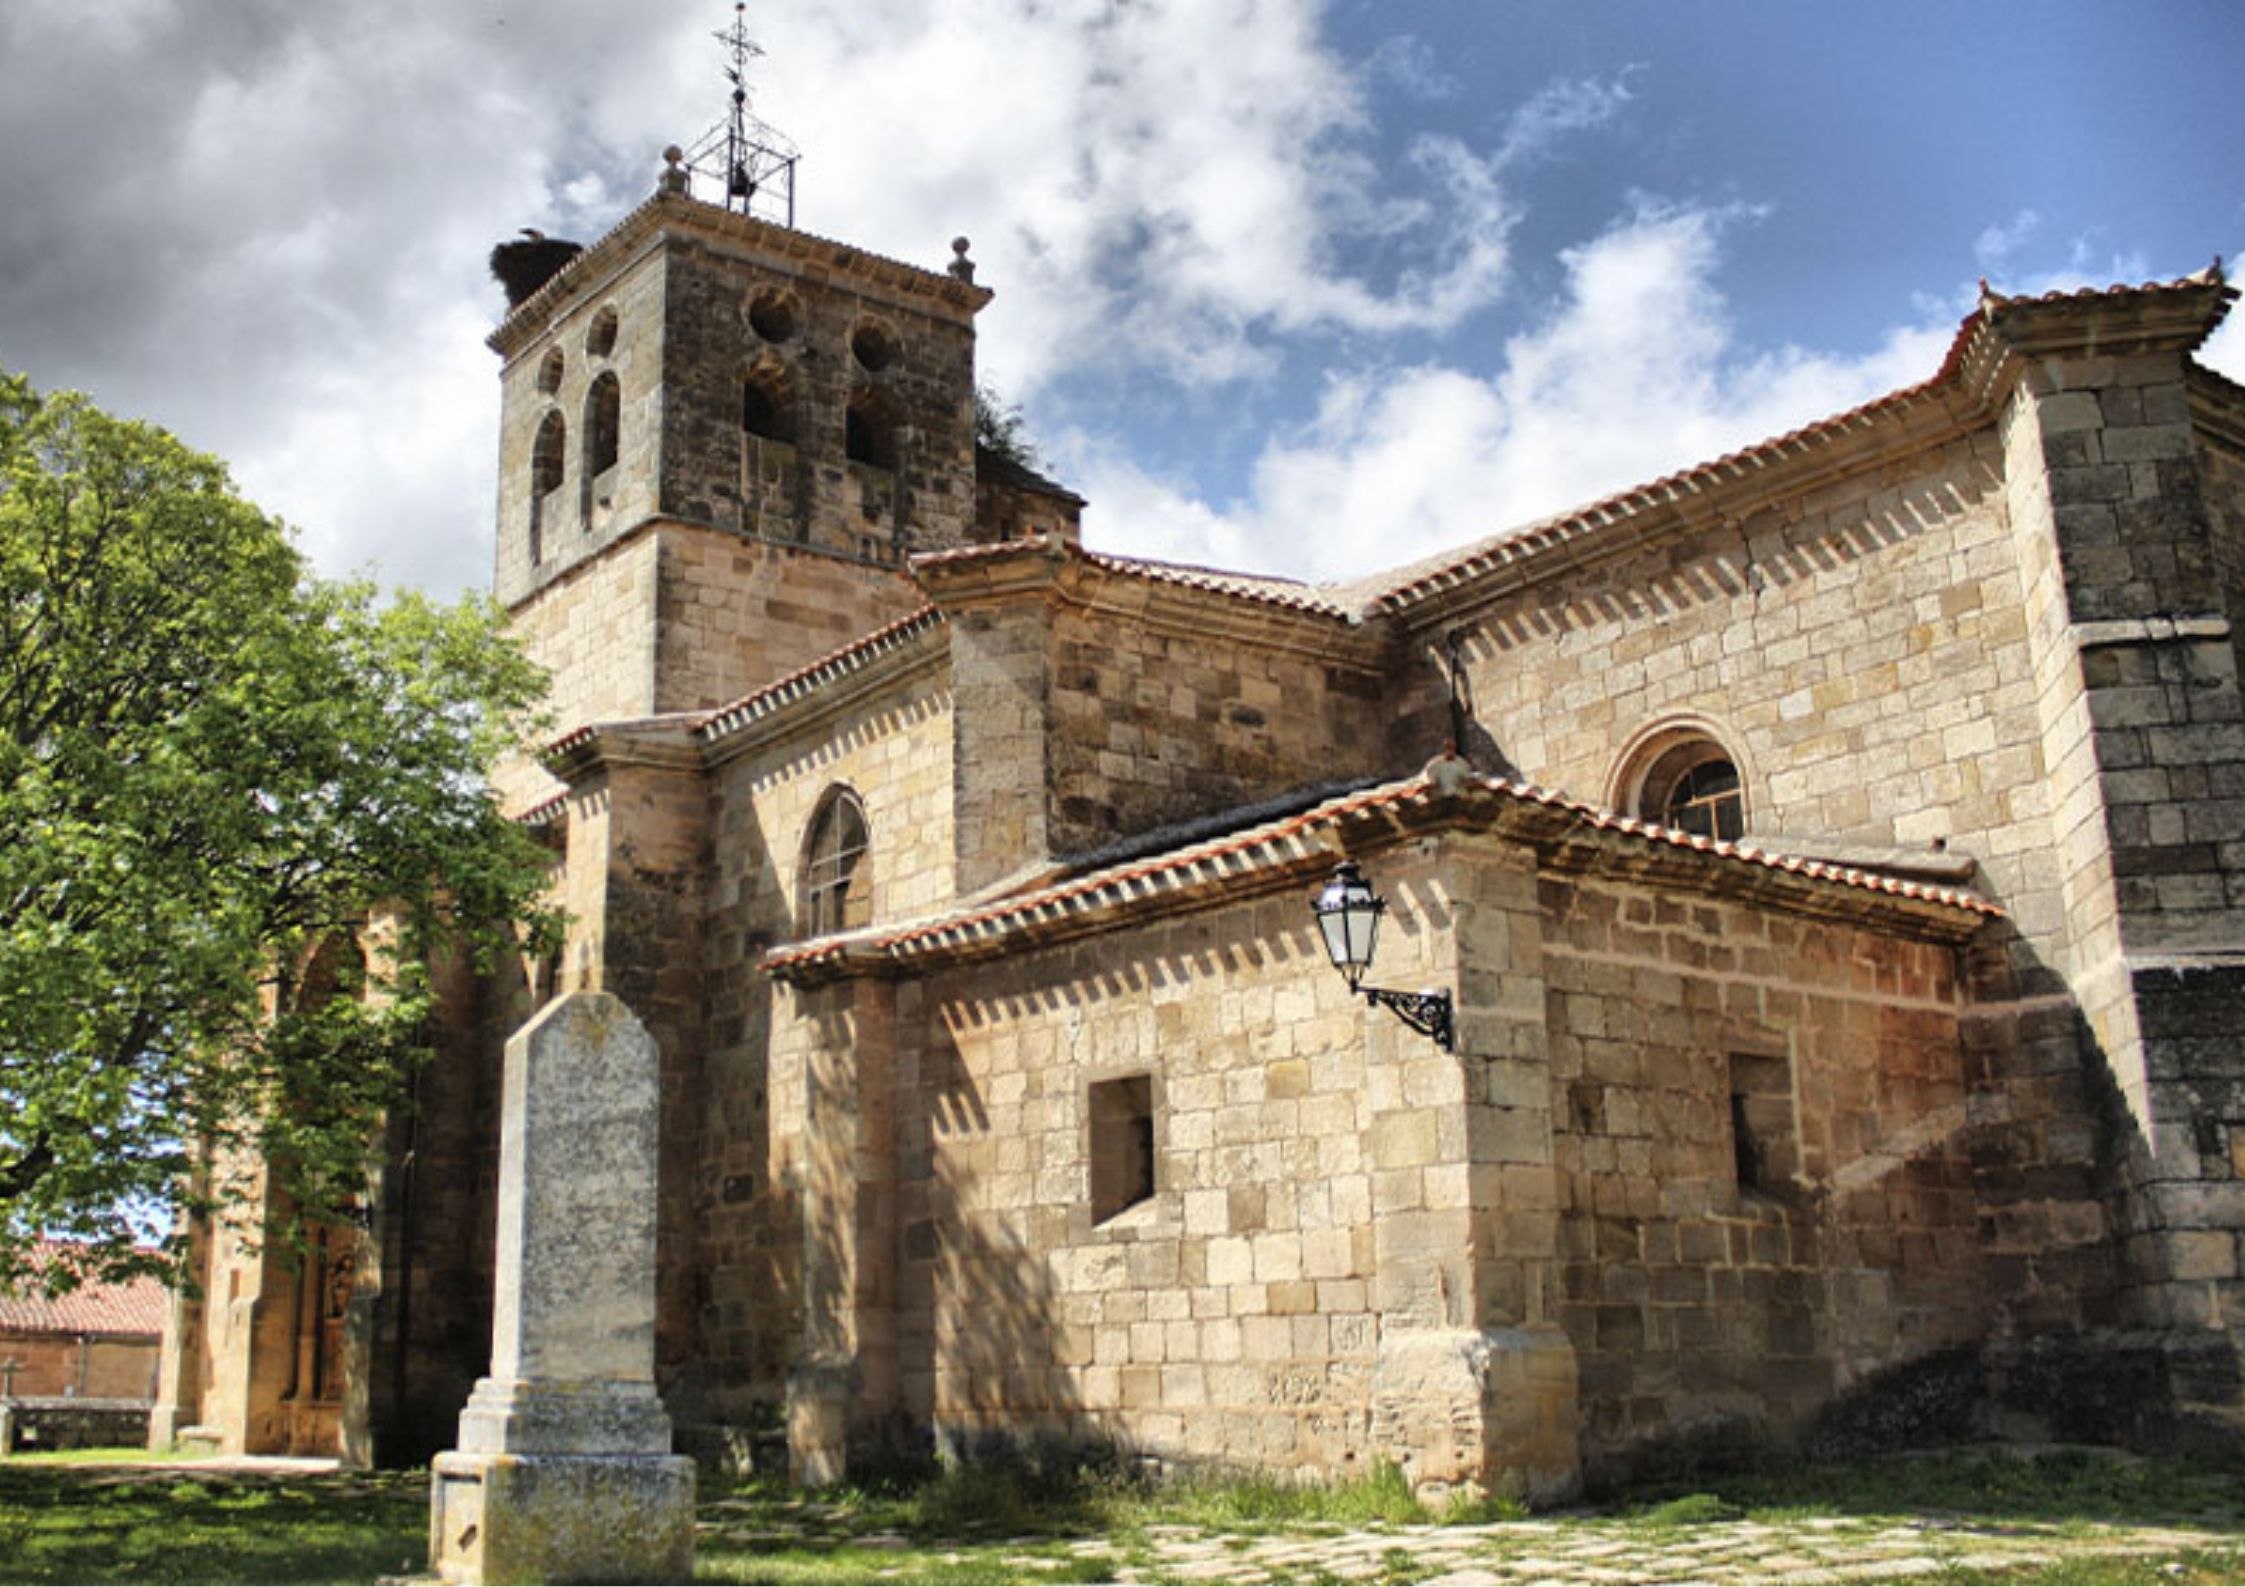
(977, 1326)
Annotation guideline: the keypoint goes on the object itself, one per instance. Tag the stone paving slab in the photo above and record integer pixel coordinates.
(1594, 1553)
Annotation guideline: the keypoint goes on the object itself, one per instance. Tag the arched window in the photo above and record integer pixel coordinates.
(870, 434)
(604, 415)
(1694, 787)
(600, 341)
(837, 885)
(546, 453)
(768, 408)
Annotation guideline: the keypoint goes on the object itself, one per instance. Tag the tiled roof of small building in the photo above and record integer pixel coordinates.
(1299, 836)
(130, 1310)
(803, 680)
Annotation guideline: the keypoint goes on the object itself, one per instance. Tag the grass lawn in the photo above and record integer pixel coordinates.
(78, 1518)
(70, 1518)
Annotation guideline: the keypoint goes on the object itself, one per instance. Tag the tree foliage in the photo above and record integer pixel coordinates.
(242, 811)
(999, 427)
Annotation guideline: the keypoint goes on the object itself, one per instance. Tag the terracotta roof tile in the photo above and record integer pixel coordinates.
(135, 1309)
(1265, 844)
(1265, 589)
(1402, 587)
(835, 664)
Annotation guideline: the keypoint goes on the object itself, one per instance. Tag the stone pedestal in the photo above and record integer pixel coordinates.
(564, 1471)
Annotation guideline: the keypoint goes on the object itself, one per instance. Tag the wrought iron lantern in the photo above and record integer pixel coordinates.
(1348, 915)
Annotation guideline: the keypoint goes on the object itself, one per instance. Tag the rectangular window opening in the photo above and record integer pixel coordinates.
(1122, 1145)
(1765, 1153)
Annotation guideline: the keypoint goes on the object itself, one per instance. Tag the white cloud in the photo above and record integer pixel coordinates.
(264, 223)
(1636, 373)
(1996, 244)
(1157, 186)
(1558, 110)
(1411, 64)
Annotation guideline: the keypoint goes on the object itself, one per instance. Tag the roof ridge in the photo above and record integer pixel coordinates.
(1507, 545)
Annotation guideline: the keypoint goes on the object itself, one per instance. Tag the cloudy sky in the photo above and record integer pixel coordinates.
(1311, 286)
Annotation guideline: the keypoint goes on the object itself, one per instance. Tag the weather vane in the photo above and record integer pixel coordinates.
(747, 161)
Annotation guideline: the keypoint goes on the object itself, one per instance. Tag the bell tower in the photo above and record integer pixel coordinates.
(721, 438)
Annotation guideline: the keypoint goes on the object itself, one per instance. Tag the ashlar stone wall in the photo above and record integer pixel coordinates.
(1359, 1247)
(1863, 650)
(891, 744)
(613, 326)
(1097, 704)
(1707, 1309)
(1152, 720)
(817, 335)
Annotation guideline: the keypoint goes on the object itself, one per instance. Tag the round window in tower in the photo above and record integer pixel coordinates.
(600, 341)
(774, 315)
(550, 370)
(874, 346)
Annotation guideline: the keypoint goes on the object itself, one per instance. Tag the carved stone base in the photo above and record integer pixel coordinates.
(561, 1518)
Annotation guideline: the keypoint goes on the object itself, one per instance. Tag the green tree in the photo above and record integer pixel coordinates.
(1000, 428)
(215, 772)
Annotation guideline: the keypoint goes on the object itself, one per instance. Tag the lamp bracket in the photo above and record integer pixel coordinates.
(1428, 1013)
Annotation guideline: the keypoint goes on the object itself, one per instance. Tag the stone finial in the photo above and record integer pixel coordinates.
(962, 268)
(674, 178)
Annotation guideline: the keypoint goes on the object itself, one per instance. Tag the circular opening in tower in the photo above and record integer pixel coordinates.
(600, 341)
(874, 347)
(773, 316)
(549, 371)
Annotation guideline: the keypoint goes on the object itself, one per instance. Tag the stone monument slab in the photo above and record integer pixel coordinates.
(563, 1471)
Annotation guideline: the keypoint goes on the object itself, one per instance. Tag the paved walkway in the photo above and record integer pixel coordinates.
(1614, 1552)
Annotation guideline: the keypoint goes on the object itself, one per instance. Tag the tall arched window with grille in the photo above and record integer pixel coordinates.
(837, 873)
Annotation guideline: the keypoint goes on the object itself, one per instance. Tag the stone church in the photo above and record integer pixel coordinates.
(1815, 882)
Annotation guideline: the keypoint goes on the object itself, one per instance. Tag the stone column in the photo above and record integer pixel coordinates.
(1475, 1383)
(2144, 724)
(843, 1383)
(564, 1471)
(1000, 611)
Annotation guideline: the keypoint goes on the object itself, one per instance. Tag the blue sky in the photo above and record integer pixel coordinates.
(1302, 287)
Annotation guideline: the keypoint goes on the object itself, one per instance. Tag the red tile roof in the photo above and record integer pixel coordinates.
(1420, 580)
(835, 664)
(1275, 841)
(1267, 589)
(135, 1309)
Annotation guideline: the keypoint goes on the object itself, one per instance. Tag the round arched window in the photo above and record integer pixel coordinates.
(1693, 786)
(869, 431)
(837, 883)
(768, 405)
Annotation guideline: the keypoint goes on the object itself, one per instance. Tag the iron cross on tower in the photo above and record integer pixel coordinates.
(750, 165)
